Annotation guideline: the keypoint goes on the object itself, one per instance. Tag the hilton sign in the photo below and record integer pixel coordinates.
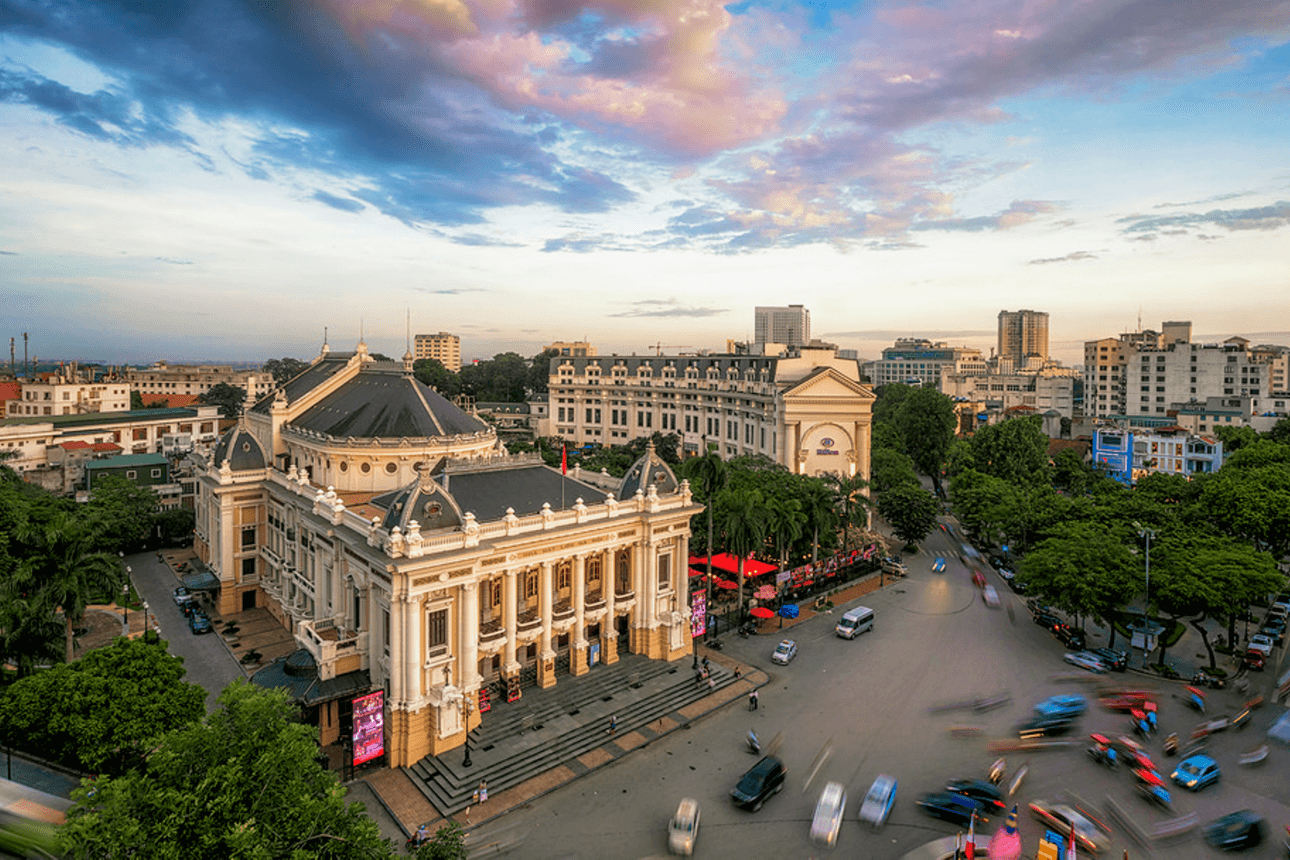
(827, 448)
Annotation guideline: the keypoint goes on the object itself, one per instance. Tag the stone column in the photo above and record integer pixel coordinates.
(509, 597)
(608, 635)
(229, 538)
(578, 651)
(397, 655)
(468, 636)
(640, 613)
(546, 654)
(415, 651)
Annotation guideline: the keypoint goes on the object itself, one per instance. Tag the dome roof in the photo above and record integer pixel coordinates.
(241, 449)
(649, 469)
(424, 501)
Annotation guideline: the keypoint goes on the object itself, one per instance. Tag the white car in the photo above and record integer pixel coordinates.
(786, 650)
(828, 814)
(1262, 644)
(683, 828)
(877, 804)
(990, 596)
(1088, 661)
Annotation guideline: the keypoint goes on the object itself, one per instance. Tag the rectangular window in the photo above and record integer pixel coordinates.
(496, 594)
(664, 572)
(248, 567)
(131, 474)
(563, 576)
(156, 473)
(437, 630)
(530, 584)
(248, 537)
(385, 631)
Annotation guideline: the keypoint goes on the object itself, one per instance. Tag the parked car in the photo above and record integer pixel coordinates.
(785, 651)
(979, 789)
(199, 623)
(1262, 643)
(952, 807)
(183, 595)
(1047, 621)
(1070, 637)
(1086, 660)
(762, 780)
(827, 820)
(1254, 660)
(683, 828)
(938, 566)
(1068, 706)
(1235, 831)
(1274, 629)
(1116, 661)
(1196, 772)
(877, 804)
(1062, 819)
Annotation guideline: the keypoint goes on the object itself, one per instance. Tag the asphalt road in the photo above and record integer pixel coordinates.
(934, 642)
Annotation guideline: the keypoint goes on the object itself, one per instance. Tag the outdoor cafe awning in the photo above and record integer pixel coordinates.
(727, 563)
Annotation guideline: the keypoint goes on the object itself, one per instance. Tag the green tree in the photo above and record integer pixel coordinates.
(121, 514)
(1236, 438)
(136, 400)
(910, 511)
(283, 370)
(104, 712)
(890, 468)
(978, 500)
(1072, 474)
(1085, 570)
(708, 477)
(447, 843)
(786, 523)
(175, 526)
(1015, 451)
(242, 783)
(743, 522)
(229, 398)
(1251, 503)
(431, 372)
(1280, 432)
(502, 379)
(852, 503)
(539, 376)
(820, 505)
(927, 423)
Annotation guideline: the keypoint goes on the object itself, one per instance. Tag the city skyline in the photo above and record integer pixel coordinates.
(218, 181)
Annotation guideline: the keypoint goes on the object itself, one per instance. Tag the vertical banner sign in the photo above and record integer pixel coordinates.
(369, 727)
(698, 614)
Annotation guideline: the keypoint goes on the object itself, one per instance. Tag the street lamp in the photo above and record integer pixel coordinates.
(125, 604)
(465, 713)
(1146, 534)
(145, 619)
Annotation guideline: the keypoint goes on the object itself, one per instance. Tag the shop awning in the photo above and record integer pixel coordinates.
(727, 563)
(202, 580)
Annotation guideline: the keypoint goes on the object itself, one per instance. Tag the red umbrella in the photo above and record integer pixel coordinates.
(727, 584)
(761, 612)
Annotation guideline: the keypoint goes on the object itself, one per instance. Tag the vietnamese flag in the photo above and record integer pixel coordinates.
(969, 847)
(564, 460)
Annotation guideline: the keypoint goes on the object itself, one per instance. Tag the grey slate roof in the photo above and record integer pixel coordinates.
(487, 493)
(382, 401)
(241, 449)
(297, 673)
(649, 469)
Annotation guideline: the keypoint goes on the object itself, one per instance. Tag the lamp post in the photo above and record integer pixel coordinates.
(465, 715)
(1146, 534)
(125, 604)
(145, 620)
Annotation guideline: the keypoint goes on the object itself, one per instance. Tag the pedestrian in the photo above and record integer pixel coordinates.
(483, 790)
(752, 700)
(738, 673)
(712, 683)
(705, 664)
(613, 723)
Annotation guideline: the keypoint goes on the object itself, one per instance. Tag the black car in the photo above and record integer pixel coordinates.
(1235, 832)
(765, 778)
(1116, 661)
(1048, 621)
(1070, 637)
(952, 807)
(1044, 727)
(987, 793)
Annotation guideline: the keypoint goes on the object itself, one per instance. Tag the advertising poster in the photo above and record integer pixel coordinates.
(369, 727)
(698, 614)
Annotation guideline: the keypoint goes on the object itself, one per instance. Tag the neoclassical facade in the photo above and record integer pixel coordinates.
(407, 552)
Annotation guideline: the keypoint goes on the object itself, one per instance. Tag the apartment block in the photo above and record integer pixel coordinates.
(443, 347)
(790, 325)
(168, 380)
(1022, 334)
(914, 361)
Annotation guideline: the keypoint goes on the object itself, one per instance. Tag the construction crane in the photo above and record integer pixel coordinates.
(660, 346)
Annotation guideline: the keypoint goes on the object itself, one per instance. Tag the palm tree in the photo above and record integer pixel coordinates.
(29, 632)
(710, 476)
(744, 524)
(61, 569)
(820, 507)
(786, 522)
(852, 503)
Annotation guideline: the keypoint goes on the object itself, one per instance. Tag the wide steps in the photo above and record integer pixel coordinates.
(563, 736)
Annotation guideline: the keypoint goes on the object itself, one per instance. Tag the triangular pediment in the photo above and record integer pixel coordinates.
(827, 382)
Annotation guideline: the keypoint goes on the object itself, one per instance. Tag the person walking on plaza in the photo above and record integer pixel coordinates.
(752, 700)
(613, 723)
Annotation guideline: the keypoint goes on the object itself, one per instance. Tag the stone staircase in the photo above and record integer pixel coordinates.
(548, 728)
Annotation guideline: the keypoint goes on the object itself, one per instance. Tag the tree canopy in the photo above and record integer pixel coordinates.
(229, 398)
(104, 712)
(284, 369)
(244, 782)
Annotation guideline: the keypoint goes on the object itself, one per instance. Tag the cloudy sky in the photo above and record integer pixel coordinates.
(216, 179)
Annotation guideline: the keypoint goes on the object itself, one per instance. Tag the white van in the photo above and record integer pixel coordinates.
(855, 622)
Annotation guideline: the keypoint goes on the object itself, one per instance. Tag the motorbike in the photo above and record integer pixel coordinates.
(754, 745)
(416, 840)
(1171, 744)
(1103, 755)
(1156, 794)
(1204, 679)
(747, 629)
(997, 771)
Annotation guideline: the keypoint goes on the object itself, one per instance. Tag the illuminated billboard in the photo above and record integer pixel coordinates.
(369, 727)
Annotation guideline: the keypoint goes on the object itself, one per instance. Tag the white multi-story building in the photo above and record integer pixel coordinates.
(998, 393)
(914, 361)
(790, 325)
(443, 347)
(806, 409)
(1181, 372)
(193, 380)
(68, 392)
